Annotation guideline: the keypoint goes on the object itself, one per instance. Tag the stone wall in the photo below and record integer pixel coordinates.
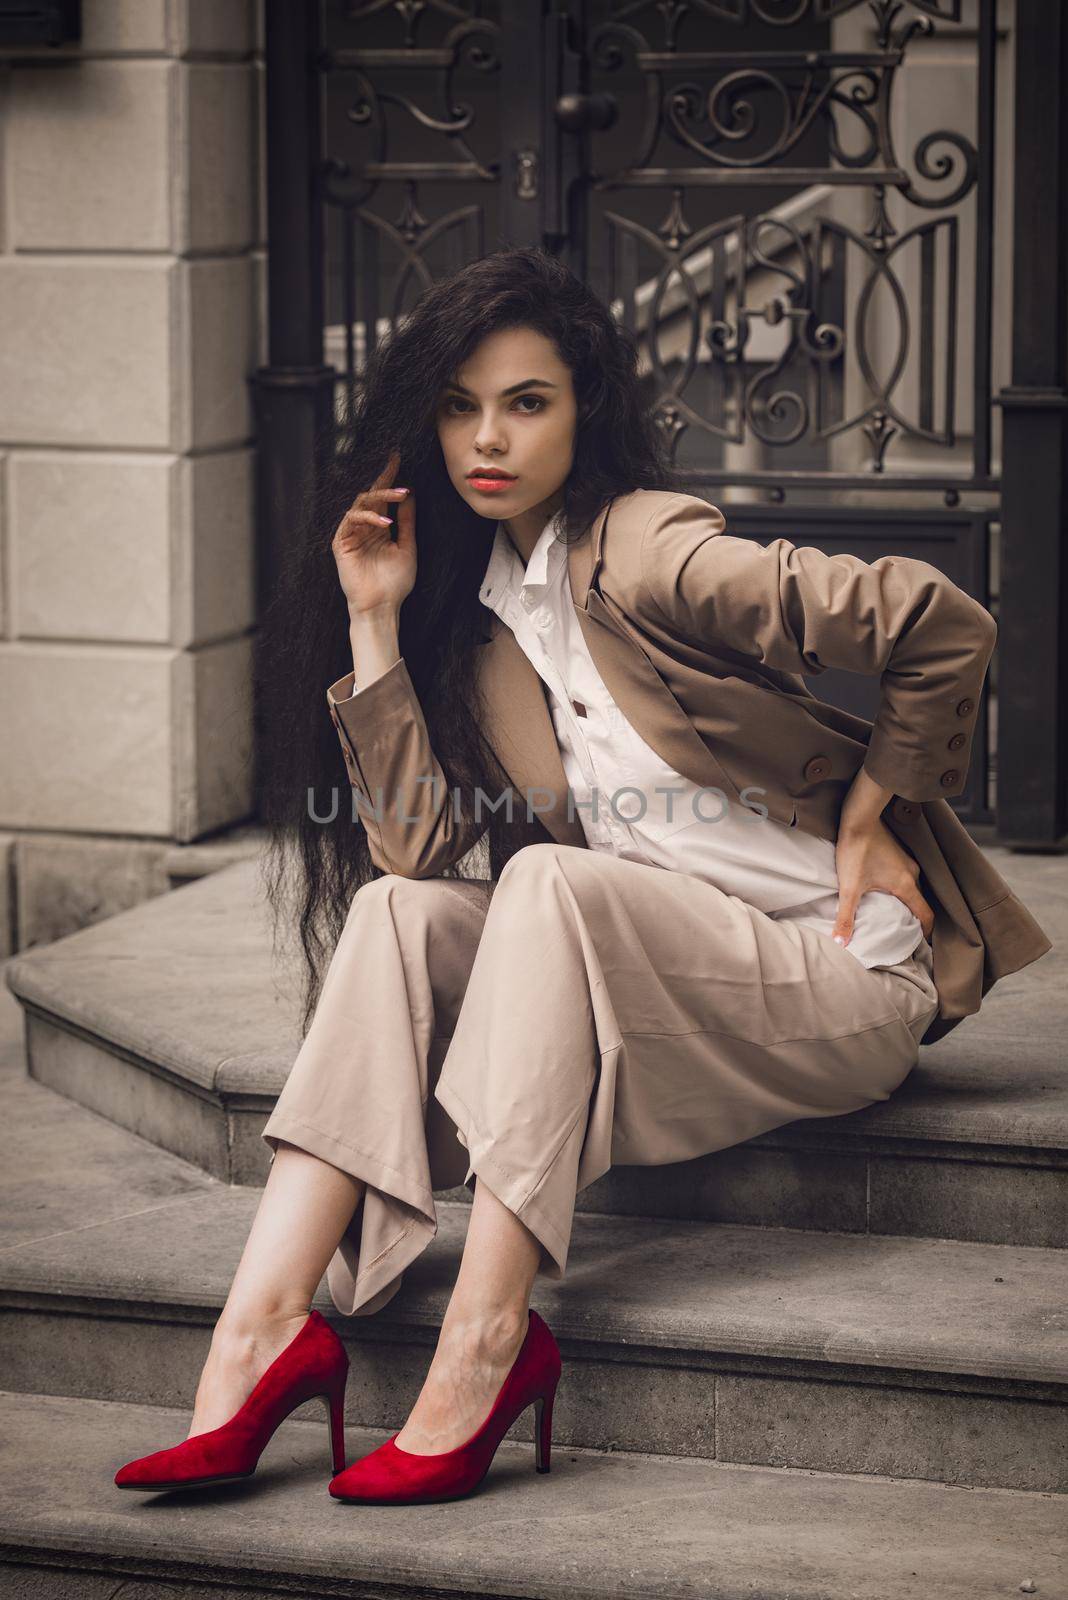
(132, 269)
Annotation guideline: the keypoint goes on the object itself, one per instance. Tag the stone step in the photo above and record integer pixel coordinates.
(810, 1350)
(172, 1020)
(827, 1352)
(598, 1526)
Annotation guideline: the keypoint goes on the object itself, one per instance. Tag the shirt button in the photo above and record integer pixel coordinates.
(956, 741)
(628, 805)
(950, 777)
(819, 767)
(964, 707)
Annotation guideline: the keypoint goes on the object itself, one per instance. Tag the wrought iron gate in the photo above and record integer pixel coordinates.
(805, 249)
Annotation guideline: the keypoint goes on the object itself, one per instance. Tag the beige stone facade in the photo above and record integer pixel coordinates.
(131, 319)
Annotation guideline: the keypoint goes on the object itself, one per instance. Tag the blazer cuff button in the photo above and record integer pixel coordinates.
(816, 769)
(950, 778)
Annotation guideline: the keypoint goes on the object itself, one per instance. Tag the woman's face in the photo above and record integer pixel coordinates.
(511, 407)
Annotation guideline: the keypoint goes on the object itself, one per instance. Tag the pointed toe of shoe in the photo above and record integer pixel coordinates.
(352, 1483)
(146, 1471)
(189, 1465)
(391, 1476)
(373, 1478)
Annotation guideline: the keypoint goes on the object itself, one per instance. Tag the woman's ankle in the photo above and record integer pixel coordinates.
(484, 1330)
(244, 1329)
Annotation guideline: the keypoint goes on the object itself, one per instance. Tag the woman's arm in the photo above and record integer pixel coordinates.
(401, 794)
(374, 636)
(799, 610)
(410, 824)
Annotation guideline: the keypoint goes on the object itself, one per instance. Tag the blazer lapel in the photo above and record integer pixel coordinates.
(520, 729)
(631, 678)
(518, 724)
(645, 699)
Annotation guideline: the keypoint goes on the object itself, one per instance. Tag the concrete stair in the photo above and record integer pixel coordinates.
(832, 1363)
(131, 1019)
(914, 1358)
(597, 1527)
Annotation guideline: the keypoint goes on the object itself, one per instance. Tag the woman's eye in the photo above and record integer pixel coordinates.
(538, 402)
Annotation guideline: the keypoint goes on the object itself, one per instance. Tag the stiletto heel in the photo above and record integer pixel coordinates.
(336, 1404)
(543, 1430)
(313, 1363)
(391, 1475)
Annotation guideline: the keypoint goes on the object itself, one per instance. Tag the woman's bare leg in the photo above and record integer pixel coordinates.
(483, 1327)
(305, 1209)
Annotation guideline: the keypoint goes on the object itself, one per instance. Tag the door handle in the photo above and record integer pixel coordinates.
(579, 113)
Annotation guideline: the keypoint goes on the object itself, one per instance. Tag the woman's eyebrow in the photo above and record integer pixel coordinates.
(528, 383)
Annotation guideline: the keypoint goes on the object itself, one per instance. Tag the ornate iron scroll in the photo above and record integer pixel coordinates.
(791, 326)
(409, 134)
(874, 309)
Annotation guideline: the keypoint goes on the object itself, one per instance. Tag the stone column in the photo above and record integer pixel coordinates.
(131, 270)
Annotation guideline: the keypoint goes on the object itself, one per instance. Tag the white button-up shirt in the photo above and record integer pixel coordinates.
(615, 777)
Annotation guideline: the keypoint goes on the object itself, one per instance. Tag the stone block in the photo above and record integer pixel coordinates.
(9, 931)
(91, 546)
(142, 352)
(121, 27)
(86, 351)
(262, 330)
(213, 727)
(215, 136)
(746, 1183)
(259, 152)
(214, 541)
(218, 351)
(204, 27)
(996, 1202)
(90, 156)
(5, 547)
(67, 884)
(86, 735)
(147, 1103)
(992, 1440)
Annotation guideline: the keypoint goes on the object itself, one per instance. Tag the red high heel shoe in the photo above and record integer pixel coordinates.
(390, 1475)
(313, 1364)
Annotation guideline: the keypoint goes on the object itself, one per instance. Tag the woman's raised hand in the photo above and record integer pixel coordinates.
(375, 571)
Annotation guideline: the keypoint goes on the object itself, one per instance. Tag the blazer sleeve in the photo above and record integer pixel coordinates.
(799, 610)
(403, 799)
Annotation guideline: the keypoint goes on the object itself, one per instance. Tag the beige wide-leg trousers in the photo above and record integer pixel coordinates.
(578, 1013)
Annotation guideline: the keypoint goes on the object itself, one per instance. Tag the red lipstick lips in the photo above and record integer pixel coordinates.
(490, 480)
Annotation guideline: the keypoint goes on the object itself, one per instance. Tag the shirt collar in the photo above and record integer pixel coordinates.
(505, 572)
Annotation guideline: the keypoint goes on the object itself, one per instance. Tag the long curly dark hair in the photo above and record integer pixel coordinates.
(313, 868)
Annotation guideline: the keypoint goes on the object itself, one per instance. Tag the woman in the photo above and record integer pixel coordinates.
(647, 974)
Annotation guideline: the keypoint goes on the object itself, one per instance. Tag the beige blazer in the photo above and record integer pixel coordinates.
(704, 641)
